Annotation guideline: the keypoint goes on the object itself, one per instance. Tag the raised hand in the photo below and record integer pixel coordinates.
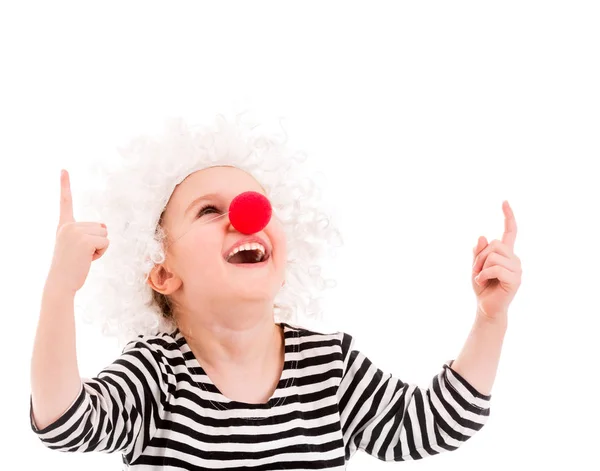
(496, 275)
(78, 244)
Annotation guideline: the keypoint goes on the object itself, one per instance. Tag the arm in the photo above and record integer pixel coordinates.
(112, 412)
(397, 421)
(479, 358)
(55, 379)
(118, 410)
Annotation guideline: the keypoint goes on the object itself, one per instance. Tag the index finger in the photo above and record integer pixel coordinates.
(510, 226)
(66, 201)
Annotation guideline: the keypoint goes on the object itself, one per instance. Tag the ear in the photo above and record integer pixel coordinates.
(163, 281)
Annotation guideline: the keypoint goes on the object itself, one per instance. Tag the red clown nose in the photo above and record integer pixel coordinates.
(250, 212)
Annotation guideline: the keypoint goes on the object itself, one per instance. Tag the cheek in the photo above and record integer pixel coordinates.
(199, 252)
(279, 242)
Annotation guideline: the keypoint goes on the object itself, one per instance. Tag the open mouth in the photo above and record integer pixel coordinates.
(248, 257)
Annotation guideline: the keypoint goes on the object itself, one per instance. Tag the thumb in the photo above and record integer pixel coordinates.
(481, 244)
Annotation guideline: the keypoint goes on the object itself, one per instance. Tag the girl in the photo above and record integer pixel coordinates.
(218, 376)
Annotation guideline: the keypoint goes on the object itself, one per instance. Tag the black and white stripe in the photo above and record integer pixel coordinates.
(397, 421)
(157, 407)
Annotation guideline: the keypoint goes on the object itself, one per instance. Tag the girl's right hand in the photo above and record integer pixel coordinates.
(78, 244)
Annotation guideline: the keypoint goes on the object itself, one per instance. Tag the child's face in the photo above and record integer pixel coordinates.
(200, 275)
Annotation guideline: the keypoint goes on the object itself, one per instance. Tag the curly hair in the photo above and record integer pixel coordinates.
(131, 194)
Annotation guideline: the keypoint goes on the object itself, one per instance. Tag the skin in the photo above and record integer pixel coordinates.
(496, 278)
(225, 312)
(497, 270)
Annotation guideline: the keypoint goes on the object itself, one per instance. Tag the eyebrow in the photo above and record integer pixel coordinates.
(197, 200)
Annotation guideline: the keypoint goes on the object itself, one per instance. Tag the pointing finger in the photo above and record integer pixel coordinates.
(510, 226)
(66, 201)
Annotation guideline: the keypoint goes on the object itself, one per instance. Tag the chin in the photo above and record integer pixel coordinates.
(255, 294)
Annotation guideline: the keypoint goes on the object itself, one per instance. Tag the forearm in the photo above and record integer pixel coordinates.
(479, 358)
(55, 379)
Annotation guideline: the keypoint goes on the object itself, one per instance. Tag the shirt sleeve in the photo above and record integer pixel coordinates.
(115, 411)
(395, 421)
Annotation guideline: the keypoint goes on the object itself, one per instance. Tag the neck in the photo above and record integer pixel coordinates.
(232, 339)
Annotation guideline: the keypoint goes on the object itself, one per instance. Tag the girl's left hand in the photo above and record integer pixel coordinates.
(497, 270)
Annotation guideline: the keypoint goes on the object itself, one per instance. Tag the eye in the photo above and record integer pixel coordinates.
(207, 209)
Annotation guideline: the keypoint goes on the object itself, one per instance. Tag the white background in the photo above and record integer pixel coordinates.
(423, 117)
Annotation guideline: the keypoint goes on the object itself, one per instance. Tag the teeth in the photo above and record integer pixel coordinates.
(251, 246)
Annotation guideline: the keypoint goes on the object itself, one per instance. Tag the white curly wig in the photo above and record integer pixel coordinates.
(131, 196)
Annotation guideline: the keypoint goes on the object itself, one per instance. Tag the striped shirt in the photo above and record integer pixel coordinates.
(158, 408)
